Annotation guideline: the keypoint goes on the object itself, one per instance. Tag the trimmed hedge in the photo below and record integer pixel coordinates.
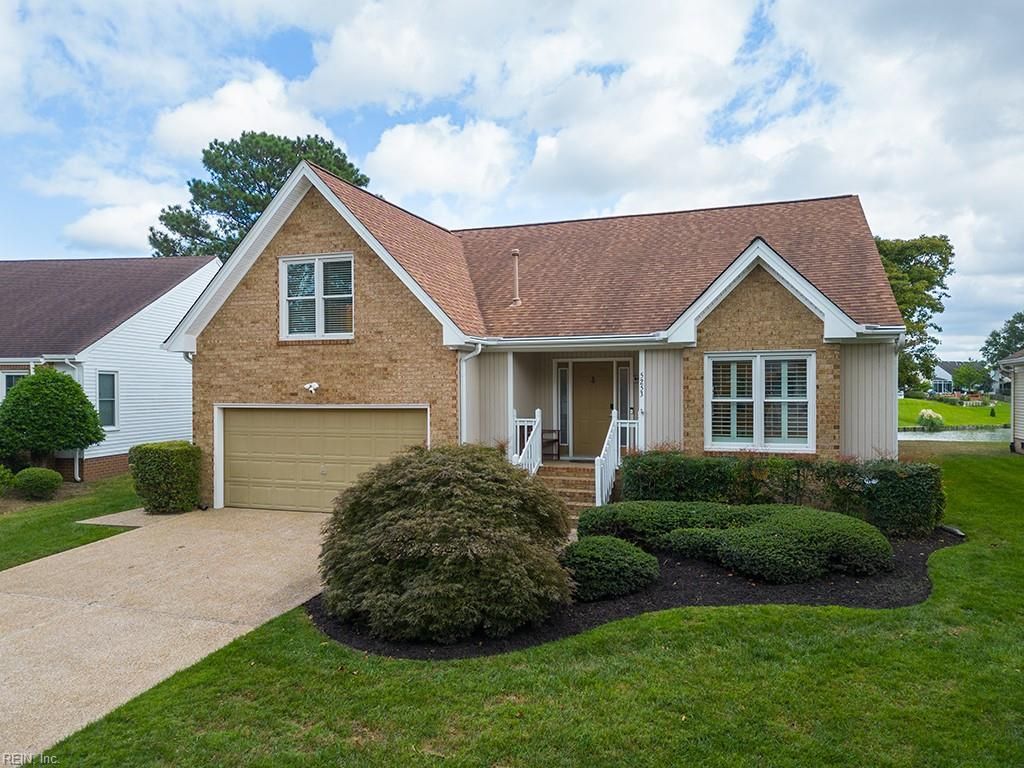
(6, 479)
(797, 544)
(900, 499)
(644, 523)
(784, 544)
(695, 543)
(37, 483)
(604, 566)
(445, 543)
(166, 475)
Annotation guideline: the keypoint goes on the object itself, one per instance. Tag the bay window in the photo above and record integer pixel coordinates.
(759, 401)
(317, 295)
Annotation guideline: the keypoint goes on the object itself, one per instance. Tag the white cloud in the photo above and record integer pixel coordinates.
(123, 229)
(121, 206)
(474, 162)
(260, 103)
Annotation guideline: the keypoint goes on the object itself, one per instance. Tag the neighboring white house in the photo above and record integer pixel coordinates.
(1013, 366)
(942, 378)
(103, 321)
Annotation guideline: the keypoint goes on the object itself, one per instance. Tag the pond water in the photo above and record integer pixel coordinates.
(995, 435)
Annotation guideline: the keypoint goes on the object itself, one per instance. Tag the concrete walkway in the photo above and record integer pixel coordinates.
(84, 631)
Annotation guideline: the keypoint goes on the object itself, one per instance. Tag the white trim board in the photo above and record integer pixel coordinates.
(218, 428)
(303, 178)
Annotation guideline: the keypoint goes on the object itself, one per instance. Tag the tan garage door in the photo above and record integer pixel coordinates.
(295, 458)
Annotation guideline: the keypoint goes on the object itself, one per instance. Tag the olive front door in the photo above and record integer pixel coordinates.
(593, 396)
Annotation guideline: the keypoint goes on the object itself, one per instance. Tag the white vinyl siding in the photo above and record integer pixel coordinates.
(663, 397)
(1018, 403)
(154, 386)
(759, 401)
(868, 417)
(317, 295)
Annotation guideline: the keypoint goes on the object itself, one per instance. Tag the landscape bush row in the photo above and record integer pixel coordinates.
(900, 499)
(774, 542)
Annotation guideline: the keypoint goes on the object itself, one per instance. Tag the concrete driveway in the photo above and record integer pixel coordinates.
(84, 631)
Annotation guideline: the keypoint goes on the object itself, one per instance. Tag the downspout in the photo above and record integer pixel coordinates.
(189, 357)
(73, 367)
(463, 405)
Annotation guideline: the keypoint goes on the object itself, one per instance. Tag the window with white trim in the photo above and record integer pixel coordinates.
(759, 401)
(106, 398)
(10, 379)
(317, 295)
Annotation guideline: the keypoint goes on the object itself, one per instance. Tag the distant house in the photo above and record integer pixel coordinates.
(1013, 366)
(102, 321)
(942, 378)
(344, 328)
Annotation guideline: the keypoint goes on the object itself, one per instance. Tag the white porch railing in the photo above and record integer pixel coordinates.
(526, 446)
(621, 438)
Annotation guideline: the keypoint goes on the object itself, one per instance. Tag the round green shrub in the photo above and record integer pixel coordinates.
(166, 475)
(696, 543)
(604, 566)
(37, 483)
(47, 412)
(796, 544)
(6, 479)
(442, 544)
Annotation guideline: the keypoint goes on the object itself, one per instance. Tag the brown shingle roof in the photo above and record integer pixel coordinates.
(624, 274)
(430, 254)
(61, 306)
(1016, 357)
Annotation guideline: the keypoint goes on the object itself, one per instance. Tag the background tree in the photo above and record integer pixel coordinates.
(918, 270)
(971, 376)
(1003, 342)
(47, 412)
(245, 174)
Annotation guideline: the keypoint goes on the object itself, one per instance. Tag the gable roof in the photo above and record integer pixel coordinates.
(431, 255)
(61, 306)
(950, 366)
(1017, 358)
(624, 274)
(637, 274)
(591, 279)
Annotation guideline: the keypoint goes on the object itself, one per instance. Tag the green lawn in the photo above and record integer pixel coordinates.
(953, 413)
(43, 529)
(938, 684)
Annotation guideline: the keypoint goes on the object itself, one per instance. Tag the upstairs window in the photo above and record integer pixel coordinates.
(317, 295)
(759, 402)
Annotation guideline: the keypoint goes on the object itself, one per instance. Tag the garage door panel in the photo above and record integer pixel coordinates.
(302, 458)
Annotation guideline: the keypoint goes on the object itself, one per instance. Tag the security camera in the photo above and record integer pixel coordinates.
(312, 387)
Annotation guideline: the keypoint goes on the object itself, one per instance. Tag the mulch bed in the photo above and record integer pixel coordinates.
(682, 583)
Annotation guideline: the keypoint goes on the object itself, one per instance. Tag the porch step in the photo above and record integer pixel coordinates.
(573, 482)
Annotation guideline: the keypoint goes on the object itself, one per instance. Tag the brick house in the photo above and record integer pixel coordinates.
(102, 321)
(344, 328)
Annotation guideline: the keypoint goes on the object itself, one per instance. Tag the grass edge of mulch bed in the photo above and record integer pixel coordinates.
(682, 583)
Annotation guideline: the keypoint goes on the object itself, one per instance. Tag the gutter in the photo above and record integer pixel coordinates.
(463, 404)
(78, 451)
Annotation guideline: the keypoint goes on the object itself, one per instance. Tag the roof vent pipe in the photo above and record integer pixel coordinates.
(516, 301)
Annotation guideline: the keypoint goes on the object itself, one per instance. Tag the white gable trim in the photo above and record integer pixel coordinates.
(183, 338)
(838, 325)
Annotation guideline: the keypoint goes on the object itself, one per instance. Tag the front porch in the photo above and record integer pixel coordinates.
(576, 413)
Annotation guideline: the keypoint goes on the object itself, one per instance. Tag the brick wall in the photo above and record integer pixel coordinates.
(396, 356)
(761, 314)
(92, 469)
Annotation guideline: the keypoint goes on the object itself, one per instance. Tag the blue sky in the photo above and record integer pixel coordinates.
(474, 113)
